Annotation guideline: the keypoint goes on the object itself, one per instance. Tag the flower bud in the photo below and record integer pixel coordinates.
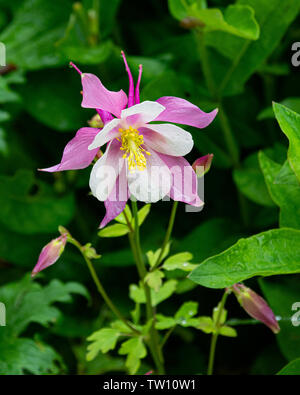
(255, 306)
(202, 165)
(96, 122)
(50, 253)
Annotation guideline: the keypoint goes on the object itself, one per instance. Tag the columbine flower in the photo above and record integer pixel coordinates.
(50, 253)
(135, 147)
(255, 306)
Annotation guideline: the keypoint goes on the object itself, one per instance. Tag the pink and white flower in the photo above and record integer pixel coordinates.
(142, 159)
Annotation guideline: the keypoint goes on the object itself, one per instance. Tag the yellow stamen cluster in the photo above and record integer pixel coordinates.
(132, 143)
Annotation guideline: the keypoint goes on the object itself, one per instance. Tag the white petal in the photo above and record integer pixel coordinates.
(151, 184)
(106, 134)
(168, 139)
(105, 171)
(148, 111)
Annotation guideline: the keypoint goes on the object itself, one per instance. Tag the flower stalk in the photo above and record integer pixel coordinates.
(215, 335)
(99, 285)
(150, 313)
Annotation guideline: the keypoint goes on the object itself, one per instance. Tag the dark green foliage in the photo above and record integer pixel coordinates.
(249, 226)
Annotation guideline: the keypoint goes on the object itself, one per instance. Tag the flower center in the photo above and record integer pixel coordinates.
(132, 143)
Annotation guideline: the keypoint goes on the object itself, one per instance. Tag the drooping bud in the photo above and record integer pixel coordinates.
(50, 253)
(202, 165)
(255, 306)
(96, 122)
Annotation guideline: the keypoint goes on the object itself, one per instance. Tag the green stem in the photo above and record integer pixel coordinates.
(230, 142)
(215, 335)
(167, 236)
(137, 252)
(204, 59)
(167, 335)
(210, 82)
(100, 287)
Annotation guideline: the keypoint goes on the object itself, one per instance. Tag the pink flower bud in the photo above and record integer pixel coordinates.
(202, 165)
(50, 253)
(255, 306)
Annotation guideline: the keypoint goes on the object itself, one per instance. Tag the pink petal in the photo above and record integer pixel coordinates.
(153, 183)
(105, 116)
(256, 306)
(76, 154)
(131, 83)
(184, 180)
(182, 111)
(95, 95)
(108, 133)
(142, 113)
(106, 171)
(50, 254)
(167, 138)
(117, 200)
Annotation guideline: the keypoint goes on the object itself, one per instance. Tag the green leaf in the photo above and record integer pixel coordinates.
(122, 229)
(237, 19)
(216, 313)
(167, 289)
(121, 217)
(7, 95)
(250, 181)
(31, 37)
(284, 190)
(206, 325)
(179, 8)
(25, 212)
(292, 368)
(153, 256)
(25, 355)
(184, 317)
(186, 311)
(143, 213)
(135, 351)
(4, 116)
(27, 302)
(246, 56)
(103, 340)
(289, 122)
(88, 55)
(265, 254)
(163, 322)
(154, 279)
(227, 331)
(116, 230)
(293, 103)
(53, 98)
(213, 236)
(179, 261)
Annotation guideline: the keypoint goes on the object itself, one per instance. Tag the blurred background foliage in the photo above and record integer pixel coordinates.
(40, 111)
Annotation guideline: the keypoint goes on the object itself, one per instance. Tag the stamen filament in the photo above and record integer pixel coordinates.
(132, 143)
